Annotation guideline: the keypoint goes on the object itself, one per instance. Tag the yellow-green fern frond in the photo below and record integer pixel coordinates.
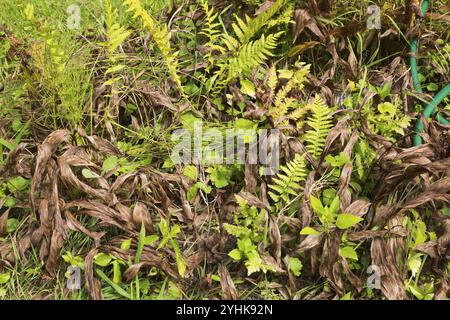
(160, 35)
(211, 31)
(115, 33)
(283, 104)
(287, 183)
(321, 122)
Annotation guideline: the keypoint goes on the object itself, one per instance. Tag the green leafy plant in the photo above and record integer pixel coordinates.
(249, 228)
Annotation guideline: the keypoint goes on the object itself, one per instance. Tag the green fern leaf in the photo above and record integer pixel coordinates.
(246, 30)
(287, 182)
(321, 122)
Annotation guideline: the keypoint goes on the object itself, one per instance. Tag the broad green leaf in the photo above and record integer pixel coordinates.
(4, 277)
(150, 239)
(248, 88)
(18, 184)
(388, 108)
(181, 264)
(347, 296)
(235, 254)
(348, 252)
(316, 205)
(191, 172)
(334, 206)
(102, 259)
(308, 231)
(126, 244)
(220, 176)
(12, 224)
(346, 220)
(109, 164)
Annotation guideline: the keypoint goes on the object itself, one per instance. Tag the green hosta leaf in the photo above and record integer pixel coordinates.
(295, 265)
(346, 220)
(235, 254)
(102, 259)
(308, 231)
(348, 253)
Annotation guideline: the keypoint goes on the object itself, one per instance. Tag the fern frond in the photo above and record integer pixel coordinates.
(321, 122)
(282, 103)
(211, 30)
(160, 35)
(286, 184)
(249, 56)
(115, 33)
(246, 30)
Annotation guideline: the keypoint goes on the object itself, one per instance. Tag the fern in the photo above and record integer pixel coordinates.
(116, 34)
(246, 30)
(321, 122)
(249, 56)
(211, 31)
(284, 106)
(244, 53)
(286, 183)
(160, 35)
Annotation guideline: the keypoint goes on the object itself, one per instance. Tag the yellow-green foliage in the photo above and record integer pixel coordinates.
(161, 36)
(115, 33)
(284, 106)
